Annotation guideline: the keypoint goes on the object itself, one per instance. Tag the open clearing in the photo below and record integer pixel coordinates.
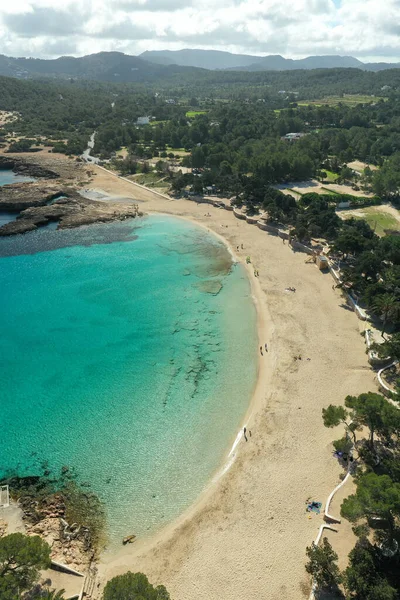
(177, 151)
(193, 113)
(330, 176)
(123, 153)
(359, 166)
(380, 218)
(151, 179)
(312, 185)
(350, 100)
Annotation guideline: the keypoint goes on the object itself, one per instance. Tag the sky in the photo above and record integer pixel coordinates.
(366, 29)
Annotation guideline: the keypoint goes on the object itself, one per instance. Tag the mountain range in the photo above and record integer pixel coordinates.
(103, 66)
(154, 65)
(214, 59)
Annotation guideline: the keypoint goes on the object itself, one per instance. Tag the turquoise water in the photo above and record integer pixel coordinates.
(7, 177)
(7, 217)
(118, 361)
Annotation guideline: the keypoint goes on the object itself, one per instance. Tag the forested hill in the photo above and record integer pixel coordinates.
(117, 67)
(215, 59)
(183, 83)
(104, 66)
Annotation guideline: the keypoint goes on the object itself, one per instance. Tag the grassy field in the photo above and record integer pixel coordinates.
(331, 177)
(193, 113)
(178, 151)
(377, 217)
(151, 179)
(350, 100)
(123, 152)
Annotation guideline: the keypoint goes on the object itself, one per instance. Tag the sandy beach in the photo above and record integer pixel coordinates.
(246, 535)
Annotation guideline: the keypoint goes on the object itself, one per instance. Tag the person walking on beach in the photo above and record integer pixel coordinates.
(244, 433)
(266, 347)
(261, 352)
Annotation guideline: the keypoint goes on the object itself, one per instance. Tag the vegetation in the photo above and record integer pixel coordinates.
(377, 496)
(79, 504)
(193, 113)
(322, 566)
(372, 572)
(21, 559)
(131, 586)
(379, 220)
(346, 99)
(367, 576)
(230, 127)
(371, 269)
(225, 132)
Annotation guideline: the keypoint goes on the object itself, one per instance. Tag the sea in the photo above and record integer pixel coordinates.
(7, 176)
(128, 353)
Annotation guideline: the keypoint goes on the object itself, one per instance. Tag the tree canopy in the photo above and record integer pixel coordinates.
(21, 559)
(133, 586)
(322, 565)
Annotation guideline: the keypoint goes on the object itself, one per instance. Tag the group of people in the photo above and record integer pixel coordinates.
(261, 349)
(244, 433)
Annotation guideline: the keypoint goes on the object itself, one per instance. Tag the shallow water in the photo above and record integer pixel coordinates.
(128, 352)
(7, 176)
(7, 217)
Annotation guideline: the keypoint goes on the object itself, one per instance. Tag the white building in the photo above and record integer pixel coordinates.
(143, 120)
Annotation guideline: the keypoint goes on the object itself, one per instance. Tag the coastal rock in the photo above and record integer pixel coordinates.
(25, 167)
(73, 552)
(129, 539)
(20, 196)
(16, 227)
(69, 212)
(42, 163)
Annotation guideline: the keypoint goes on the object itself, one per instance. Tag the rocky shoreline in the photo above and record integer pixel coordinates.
(71, 210)
(62, 512)
(20, 196)
(37, 204)
(23, 167)
(70, 543)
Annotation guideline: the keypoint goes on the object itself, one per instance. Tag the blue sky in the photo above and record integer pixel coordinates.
(366, 29)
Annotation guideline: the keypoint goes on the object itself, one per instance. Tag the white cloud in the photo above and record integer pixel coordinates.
(294, 28)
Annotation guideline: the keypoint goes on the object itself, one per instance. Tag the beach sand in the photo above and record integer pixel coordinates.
(245, 538)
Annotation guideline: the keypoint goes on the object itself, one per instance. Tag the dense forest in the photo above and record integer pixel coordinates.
(237, 141)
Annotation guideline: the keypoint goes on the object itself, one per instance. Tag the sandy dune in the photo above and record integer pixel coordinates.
(246, 536)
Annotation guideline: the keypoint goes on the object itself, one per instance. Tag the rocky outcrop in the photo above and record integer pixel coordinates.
(70, 212)
(19, 196)
(24, 167)
(70, 544)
